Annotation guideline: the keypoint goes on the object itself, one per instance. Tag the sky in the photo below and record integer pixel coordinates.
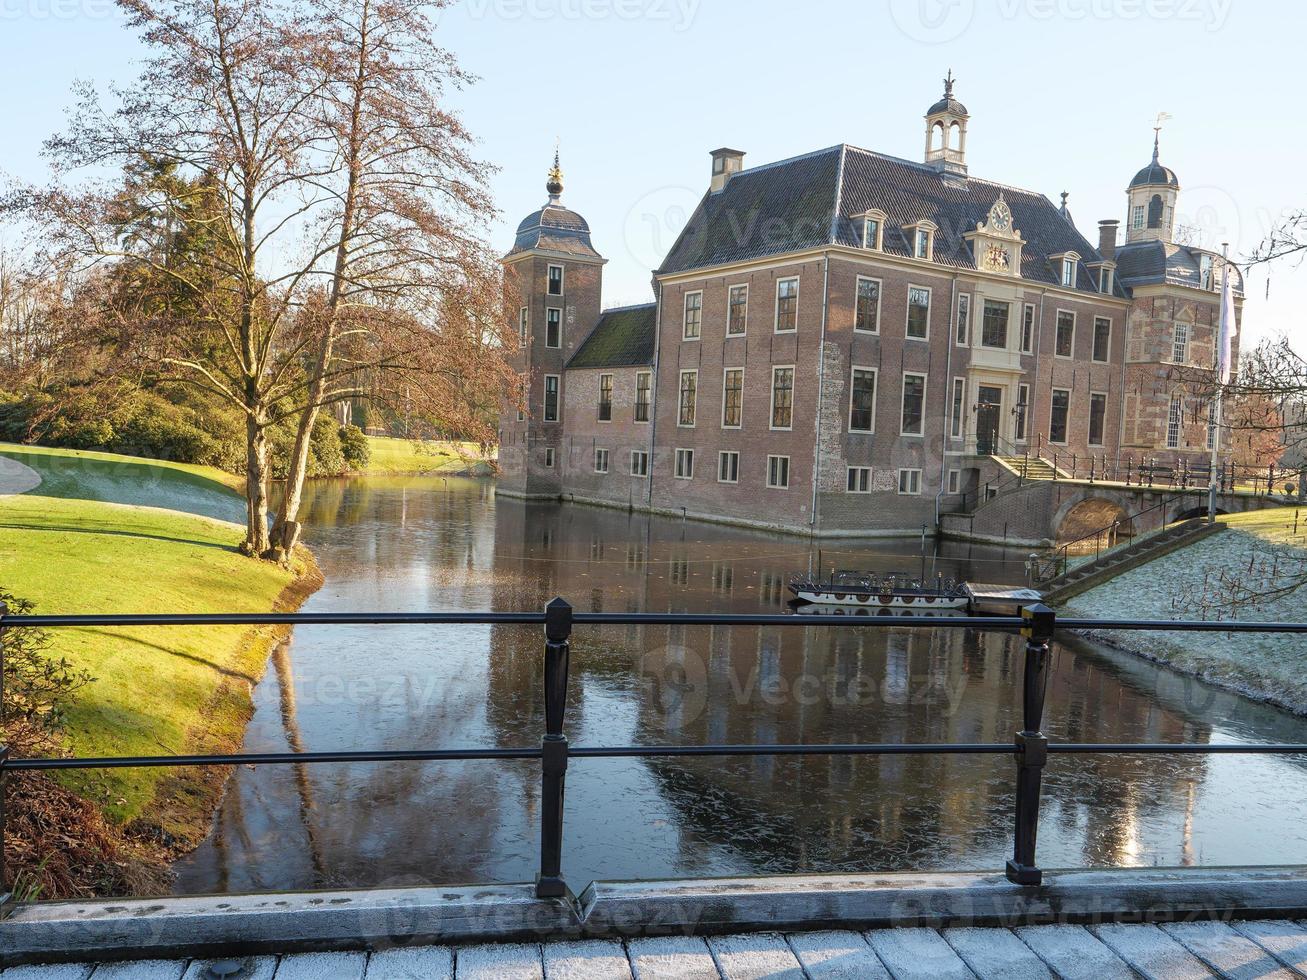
(1063, 95)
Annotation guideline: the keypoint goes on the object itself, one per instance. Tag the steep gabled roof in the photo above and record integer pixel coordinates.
(623, 337)
(809, 201)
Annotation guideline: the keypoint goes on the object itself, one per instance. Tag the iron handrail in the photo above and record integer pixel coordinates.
(1030, 746)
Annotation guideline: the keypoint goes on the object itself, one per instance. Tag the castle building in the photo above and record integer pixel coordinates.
(845, 342)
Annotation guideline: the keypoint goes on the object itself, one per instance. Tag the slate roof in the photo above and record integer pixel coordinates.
(809, 201)
(1155, 173)
(623, 337)
(556, 229)
(1153, 262)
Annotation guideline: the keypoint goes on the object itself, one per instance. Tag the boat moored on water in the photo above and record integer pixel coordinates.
(848, 593)
(893, 591)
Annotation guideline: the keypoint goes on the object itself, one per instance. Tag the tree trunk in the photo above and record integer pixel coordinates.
(287, 529)
(256, 488)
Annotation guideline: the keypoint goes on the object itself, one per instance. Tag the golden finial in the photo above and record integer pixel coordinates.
(555, 183)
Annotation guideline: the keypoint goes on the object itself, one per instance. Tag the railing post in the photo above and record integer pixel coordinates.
(553, 750)
(1031, 744)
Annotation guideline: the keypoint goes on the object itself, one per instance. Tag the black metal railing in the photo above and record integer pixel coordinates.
(1030, 746)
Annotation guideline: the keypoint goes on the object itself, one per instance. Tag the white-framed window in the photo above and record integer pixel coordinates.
(732, 398)
(859, 479)
(872, 228)
(549, 457)
(954, 481)
(957, 410)
(862, 399)
(993, 327)
(1205, 277)
(601, 460)
(553, 327)
(685, 405)
(685, 464)
(778, 472)
(1022, 412)
(866, 313)
(1097, 417)
(737, 310)
(524, 326)
(913, 416)
(1174, 422)
(1069, 272)
(909, 482)
(555, 280)
(918, 322)
(1102, 351)
(787, 304)
(1180, 344)
(963, 331)
(1028, 328)
(1105, 280)
(643, 395)
(728, 466)
(1064, 342)
(551, 398)
(639, 462)
(921, 243)
(782, 397)
(692, 324)
(1059, 412)
(1137, 216)
(605, 398)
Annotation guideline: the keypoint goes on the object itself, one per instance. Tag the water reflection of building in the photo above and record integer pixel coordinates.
(823, 684)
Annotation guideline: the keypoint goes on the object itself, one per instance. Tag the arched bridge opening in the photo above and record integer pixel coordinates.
(1094, 523)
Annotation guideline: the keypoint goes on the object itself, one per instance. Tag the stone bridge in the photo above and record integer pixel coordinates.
(1045, 513)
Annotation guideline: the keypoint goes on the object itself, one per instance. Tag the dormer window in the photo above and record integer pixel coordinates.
(871, 226)
(1066, 264)
(1104, 280)
(1068, 272)
(1205, 278)
(921, 235)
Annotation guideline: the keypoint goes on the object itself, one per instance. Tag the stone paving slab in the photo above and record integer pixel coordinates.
(1071, 952)
(1240, 950)
(1286, 941)
(837, 955)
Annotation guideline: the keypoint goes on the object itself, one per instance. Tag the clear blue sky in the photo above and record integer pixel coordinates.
(1062, 95)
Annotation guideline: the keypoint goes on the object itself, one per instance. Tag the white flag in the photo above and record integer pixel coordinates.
(1229, 330)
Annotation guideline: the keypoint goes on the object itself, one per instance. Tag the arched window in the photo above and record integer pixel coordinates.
(1155, 212)
(937, 136)
(955, 136)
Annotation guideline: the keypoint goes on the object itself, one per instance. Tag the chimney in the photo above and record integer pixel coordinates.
(725, 163)
(1107, 239)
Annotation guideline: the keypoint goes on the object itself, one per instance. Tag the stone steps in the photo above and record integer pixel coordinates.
(1084, 577)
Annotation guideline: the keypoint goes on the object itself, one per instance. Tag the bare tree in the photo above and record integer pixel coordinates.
(409, 274)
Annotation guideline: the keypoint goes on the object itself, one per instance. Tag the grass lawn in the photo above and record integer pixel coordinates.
(1275, 526)
(420, 456)
(157, 690)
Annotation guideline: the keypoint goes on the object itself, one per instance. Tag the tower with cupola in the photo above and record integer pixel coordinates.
(553, 276)
(946, 132)
(1152, 195)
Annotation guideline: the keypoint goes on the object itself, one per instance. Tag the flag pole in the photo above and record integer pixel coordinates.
(1220, 386)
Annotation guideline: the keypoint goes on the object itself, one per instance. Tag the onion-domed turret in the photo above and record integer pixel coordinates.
(1152, 196)
(554, 228)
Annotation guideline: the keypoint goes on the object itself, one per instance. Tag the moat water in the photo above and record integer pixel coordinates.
(431, 544)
